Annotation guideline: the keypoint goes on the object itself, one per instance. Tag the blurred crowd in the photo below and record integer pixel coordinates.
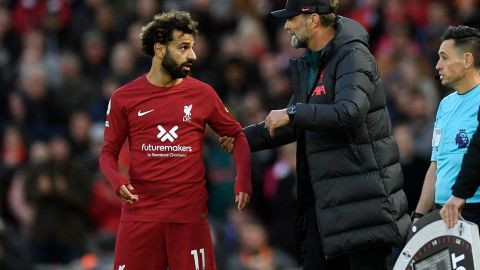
(60, 60)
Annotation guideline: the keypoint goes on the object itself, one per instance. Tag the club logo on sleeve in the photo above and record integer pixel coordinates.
(107, 123)
(187, 109)
(109, 106)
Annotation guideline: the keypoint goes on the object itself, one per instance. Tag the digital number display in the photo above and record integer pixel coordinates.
(433, 246)
(438, 261)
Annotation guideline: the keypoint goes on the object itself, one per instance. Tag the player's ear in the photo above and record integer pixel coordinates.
(159, 49)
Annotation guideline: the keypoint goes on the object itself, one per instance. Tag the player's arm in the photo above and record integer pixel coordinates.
(243, 166)
(116, 128)
(427, 197)
(224, 125)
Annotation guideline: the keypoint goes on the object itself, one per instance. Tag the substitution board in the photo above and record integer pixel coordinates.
(431, 245)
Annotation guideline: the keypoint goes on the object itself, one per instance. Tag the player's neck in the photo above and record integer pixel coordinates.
(159, 77)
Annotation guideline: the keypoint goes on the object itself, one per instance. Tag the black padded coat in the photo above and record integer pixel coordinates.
(347, 158)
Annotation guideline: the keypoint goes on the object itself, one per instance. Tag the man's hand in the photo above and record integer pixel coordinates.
(242, 199)
(126, 195)
(226, 143)
(451, 210)
(276, 119)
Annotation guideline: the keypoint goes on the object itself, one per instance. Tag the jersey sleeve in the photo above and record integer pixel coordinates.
(219, 118)
(436, 133)
(116, 128)
(435, 142)
(243, 165)
(223, 124)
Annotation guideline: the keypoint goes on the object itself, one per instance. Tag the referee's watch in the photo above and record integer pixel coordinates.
(291, 110)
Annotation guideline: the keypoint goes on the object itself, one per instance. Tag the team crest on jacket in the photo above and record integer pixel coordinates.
(461, 139)
(187, 109)
(320, 88)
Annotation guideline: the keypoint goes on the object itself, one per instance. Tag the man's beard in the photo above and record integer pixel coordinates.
(173, 69)
(297, 43)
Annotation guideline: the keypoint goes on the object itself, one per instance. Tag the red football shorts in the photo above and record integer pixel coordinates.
(154, 246)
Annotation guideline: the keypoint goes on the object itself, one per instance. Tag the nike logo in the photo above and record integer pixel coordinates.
(305, 9)
(140, 113)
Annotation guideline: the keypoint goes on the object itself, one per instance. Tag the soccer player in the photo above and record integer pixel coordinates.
(163, 114)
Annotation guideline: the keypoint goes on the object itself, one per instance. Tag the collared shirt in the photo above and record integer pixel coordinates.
(313, 59)
(455, 123)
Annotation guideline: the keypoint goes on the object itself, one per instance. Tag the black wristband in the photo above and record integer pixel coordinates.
(415, 215)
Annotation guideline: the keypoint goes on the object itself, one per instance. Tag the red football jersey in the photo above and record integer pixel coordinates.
(165, 128)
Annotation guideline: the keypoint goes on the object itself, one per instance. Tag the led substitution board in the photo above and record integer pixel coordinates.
(431, 245)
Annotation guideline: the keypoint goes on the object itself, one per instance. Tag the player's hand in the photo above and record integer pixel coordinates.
(242, 199)
(226, 143)
(126, 195)
(451, 210)
(276, 119)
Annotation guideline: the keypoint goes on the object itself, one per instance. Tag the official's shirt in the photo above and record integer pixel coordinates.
(165, 129)
(455, 123)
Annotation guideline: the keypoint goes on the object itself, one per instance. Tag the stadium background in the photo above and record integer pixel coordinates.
(60, 60)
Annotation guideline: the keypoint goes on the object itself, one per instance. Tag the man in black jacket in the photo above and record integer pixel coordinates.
(351, 208)
(467, 183)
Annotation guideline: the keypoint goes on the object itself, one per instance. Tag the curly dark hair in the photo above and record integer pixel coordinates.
(161, 28)
(466, 39)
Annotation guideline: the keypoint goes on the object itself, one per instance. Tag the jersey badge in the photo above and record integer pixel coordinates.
(461, 139)
(187, 109)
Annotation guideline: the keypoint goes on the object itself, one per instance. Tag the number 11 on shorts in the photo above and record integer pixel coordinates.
(194, 253)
